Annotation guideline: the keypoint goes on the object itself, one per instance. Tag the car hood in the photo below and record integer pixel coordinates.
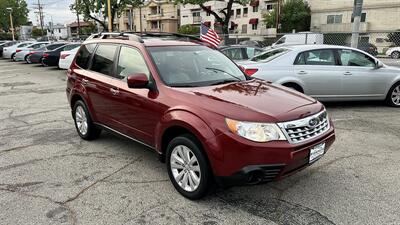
(254, 100)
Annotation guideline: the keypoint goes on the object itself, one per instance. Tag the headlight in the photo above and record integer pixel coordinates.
(258, 132)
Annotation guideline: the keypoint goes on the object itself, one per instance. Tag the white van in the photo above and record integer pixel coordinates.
(302, 38)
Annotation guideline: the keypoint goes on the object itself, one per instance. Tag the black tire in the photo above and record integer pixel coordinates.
(26, 59)
(389, 99)
(206, 183)
(12, 57)
(92, 132)
(395, 55)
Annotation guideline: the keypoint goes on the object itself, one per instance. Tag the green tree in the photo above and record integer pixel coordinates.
(189, 29)
(295, 14)
(37, 32)
(226, 12)
(19, 13)
(90, 9)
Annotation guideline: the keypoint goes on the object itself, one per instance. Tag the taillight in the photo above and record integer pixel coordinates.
(63, 56)
(18, 50)
(250, 72)
(45, 55)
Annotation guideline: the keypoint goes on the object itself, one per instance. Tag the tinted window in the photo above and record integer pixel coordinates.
(354, 58)
(323, 57)
(234, 53)
(130, 62)
(54, 46)
(270, 55)
(193, 66)
(83, 56)
(103, 59)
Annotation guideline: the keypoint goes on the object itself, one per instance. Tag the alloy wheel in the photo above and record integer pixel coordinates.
(185, 168)
(396, 95)
(81, 120)
(396, 55)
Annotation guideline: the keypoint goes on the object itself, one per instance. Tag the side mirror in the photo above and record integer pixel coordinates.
(138, 80)
(379, 64)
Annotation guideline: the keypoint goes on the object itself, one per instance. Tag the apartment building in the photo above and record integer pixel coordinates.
(153, 16)
(245, 21)
(328, 16)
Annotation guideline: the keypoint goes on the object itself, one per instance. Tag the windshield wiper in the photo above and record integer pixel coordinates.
(223, 71)
(224, 82)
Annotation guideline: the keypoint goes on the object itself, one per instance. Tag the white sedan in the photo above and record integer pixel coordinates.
(66, 58)
(23, 52)
(328, 73)
(9, 52)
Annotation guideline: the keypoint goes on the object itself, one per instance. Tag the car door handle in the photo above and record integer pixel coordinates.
(114, 91)
(85, 82)
(302, 73)
(348, 73)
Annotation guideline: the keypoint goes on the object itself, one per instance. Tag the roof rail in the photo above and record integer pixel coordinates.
(166, 34)
(105, 35)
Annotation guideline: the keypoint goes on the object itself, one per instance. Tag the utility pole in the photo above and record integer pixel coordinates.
(110, 22)
(140, 18)
(11, 22)
(40, 7)
(358, 5)
(77, 17)
(278, 15)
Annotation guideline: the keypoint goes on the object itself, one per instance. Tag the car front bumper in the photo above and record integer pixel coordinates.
(248, 162)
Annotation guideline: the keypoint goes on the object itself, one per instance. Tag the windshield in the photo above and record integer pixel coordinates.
(194, 66)
(270, 55)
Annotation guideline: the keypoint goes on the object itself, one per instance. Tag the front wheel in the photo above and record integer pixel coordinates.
(395, 55)
(393, 97)
(83, 122)
(188, 167)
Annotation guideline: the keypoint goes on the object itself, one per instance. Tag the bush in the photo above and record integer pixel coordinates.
(189, 29)
(6, 36)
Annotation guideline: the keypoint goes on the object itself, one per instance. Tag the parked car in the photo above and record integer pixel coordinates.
(394, 52)
(9, 52)
(328, 73)
(203, 116)
(51, 58)
(66, 58)
(21, 54)
(6, 44)
(369, 48)
(240, 52)
(301, 38)
(37, 55)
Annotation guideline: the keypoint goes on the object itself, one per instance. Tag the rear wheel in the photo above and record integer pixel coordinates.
(83, 122)
(188, 167)
(13, 57)
(395, 55)
(27, 59)
(393, 97)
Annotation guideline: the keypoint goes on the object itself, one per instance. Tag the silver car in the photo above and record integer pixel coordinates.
(328, 73)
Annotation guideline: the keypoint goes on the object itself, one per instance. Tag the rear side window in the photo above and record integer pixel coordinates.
(83, 56)
(103, 59)
(324, 57)
(130, 62)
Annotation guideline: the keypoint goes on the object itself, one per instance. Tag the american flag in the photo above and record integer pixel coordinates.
(209, 35)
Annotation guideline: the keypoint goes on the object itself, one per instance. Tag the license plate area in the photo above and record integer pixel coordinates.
(316, 152)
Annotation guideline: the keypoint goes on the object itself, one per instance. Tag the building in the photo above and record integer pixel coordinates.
(378, 19)
(73, 27)
(246, 21)
(153, 16)
(57, 32)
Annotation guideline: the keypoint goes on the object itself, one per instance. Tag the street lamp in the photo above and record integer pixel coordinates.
(9, 9)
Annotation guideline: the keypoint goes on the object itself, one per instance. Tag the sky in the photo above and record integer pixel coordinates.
(56, 10)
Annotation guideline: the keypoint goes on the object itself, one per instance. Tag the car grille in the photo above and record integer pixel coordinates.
(305, 129)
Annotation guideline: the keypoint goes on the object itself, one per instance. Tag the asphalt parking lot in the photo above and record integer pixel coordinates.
(48, 175)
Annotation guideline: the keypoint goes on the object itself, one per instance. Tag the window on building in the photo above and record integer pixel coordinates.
(244, 29)
(331, 19)
(255, 8)
(254, 26)
(154, 25)
(196, 14)
(238, 13)
(245, 12)
(178, 12)
(363, 17)
(269, 6)
(232, 12)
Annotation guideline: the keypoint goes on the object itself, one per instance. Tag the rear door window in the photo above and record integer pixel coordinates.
(84, 54)
(323, 57)
(130, 62)
(103, 59)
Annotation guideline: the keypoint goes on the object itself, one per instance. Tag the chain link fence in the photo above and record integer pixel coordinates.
(376, 43)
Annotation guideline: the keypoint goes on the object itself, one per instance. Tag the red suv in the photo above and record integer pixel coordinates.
(204, 117)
